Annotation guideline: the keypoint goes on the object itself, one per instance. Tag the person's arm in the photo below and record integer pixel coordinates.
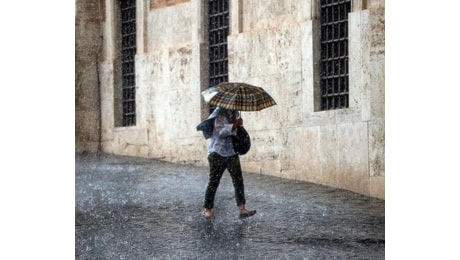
(223, 127)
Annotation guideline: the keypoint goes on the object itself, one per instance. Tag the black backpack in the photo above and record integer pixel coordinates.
(242, 141)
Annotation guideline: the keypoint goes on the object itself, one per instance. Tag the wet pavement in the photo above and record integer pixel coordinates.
(137, 208)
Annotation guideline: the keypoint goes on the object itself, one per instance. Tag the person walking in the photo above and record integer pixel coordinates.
(219, 127)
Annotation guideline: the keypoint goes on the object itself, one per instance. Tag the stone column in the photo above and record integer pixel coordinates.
(88, 42)
(200, 47)
(377, 97)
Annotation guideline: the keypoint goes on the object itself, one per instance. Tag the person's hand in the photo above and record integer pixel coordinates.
(237, 122)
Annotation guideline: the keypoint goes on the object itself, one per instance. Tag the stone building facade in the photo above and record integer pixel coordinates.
(273, 44)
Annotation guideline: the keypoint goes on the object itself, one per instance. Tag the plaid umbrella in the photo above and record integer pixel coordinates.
(209, 93)
(240, 96)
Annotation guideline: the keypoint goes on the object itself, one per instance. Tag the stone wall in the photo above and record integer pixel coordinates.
(272, 44)
(341, 148)
(377, 97)
(88, 21)
(155, 4)
(167, 90)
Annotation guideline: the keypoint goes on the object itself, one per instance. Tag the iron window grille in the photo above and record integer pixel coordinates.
(334, 54)
(128, 51)
(218, 15)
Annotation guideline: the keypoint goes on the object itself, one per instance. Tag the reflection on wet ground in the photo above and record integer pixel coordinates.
(133, 208)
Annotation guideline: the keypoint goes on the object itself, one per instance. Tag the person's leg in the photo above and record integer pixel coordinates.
(217, 167)
(234, 168)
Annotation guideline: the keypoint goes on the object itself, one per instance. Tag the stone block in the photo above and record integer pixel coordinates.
(290, 99)
(87, 125)
(169, 26)
(87, 146)
(287, 151)
(359, 61)
(143, 90)
(308, 67)
(159, 60)
(259, 14)
(329, 154)
(88, 10)
(264, 155)
(377, 91)
(106, 80)
(185, 149)
(377, 187)
(377, 29)
(307, 154)
(238, 49)
(180, 60)
(107, 147)
(265, 52)
(86, 86)
(156, 4)
(377, 148)
(107, 100)
(136, 136)
(353, 152)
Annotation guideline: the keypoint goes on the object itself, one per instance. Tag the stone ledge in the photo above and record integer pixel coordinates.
(157, 4)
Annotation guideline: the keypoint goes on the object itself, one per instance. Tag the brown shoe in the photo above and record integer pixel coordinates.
(247, 214)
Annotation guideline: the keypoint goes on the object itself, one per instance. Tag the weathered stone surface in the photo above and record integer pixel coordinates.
(87, 130)
(259, 14)
(377, 148)
(358, 24)
(353, 151)
(377, 23)
(155, 4)
(377, 89)
(377, 187)
(168, 27)
(308, 155)
(273, 45)
(87, 89)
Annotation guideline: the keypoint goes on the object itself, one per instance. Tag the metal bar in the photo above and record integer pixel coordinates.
(128, 51)
(334, 54)
(218, 32)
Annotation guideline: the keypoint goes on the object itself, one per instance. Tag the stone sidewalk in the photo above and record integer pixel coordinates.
(137, 208)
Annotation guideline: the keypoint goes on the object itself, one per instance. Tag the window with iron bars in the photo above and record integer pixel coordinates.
(128, 51)
(334, 54)
(218, 17)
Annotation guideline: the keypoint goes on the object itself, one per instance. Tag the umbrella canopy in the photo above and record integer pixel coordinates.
(239, 96)
(209, 93)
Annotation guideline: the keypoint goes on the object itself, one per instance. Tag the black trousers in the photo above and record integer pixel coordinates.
(217, 165)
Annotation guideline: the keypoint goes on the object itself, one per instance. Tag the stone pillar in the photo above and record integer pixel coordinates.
(377, 97)
(88, 39)
(200, 47)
